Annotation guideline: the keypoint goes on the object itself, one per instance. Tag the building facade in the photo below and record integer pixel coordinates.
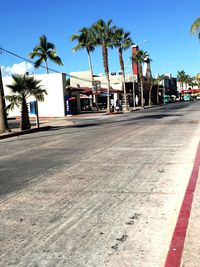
(54, 102)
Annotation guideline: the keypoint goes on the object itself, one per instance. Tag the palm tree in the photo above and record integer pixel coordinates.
(86, 40)
(3, 117)
(191, 81)
(182, 78)
(148, 77)
(197, 79)
(23, 87)
(122, 41)
(139, 57)
(159, 79)
(44, 51)
(152, 84)
(104, 33)
(195, 28)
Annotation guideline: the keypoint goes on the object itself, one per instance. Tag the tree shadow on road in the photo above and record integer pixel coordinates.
(91, 125)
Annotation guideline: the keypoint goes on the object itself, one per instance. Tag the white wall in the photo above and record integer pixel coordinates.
(53, 105)
(83, 78)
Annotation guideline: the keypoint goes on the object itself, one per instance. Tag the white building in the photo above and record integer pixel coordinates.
(83, 79)
(54, 103)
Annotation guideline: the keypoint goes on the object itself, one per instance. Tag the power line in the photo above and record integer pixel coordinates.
(27, 60)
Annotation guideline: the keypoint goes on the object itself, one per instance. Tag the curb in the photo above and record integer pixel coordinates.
(8, 135)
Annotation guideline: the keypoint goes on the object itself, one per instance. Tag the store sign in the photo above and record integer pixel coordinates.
(105, 94)
(32, 106)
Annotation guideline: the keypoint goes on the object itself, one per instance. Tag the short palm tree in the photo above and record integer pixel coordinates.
(44, 51)
(197, 79)
(191, 81)
(23, 87)
(122, 41)
(86, 40)
(139, 57)
(195, 28)
(104, 34)
(182, 78)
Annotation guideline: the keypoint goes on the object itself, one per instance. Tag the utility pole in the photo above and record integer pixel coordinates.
(37, 114)
(3, 117)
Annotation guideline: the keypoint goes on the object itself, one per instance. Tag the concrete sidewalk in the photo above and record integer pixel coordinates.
(184, 249)
(191, 251)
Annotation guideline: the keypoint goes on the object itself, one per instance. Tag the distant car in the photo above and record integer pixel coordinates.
(198, 97)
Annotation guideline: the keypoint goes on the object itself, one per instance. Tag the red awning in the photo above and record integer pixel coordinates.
(193, 91)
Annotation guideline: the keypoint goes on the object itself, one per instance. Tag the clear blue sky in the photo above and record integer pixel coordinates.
(165, 24)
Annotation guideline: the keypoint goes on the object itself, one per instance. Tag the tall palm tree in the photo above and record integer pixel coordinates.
(3, 117)
(23, 87)
(86, 40)
(122, 41)
(148, 77)
(104, 34)
(139, 58)
(159, 79)
(195, 28)
(44, 51)
(152, 84)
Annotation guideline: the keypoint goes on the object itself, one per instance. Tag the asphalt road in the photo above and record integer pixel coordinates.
(104, 192)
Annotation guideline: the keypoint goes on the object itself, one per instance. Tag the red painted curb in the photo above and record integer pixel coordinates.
(177, 243)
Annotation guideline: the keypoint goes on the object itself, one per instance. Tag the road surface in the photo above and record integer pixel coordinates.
(104, 192)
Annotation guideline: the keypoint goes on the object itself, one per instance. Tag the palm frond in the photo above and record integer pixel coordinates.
(14, 101)
(44, 50)
(38, 62)
(195, 26)
(74, 37)
(53, 57)
(86, 39)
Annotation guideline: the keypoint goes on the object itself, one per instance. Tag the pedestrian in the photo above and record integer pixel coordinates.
(136, 100)
(117, 105)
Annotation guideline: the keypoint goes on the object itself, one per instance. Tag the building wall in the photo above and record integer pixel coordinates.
(53, 105)
(135, 48)
(83, 79)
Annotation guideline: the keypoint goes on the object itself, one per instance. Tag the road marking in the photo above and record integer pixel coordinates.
(177, 243)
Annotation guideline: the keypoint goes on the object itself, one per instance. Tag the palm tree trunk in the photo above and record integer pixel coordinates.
(90, 65)
(157, 100)
(25, 122)
(106, 69)
(141, 84)
(3, 118)
(142, 93)
(47, 67)
(92, 78)
(123, 77)
(150, 91)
